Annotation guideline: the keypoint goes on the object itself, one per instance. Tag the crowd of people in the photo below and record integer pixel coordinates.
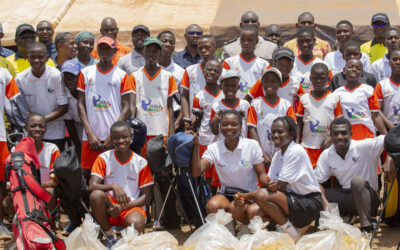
(290, 126)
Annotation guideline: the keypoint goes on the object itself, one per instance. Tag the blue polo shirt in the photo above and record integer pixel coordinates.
(184, 59)
(4, 52)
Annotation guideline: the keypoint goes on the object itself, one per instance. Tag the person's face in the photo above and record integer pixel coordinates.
(86, 46)
(193, 34)
(36, 127)
(284, 65)
(352, 53)
(70, 81)
(231, 126)
(138, 38)
(280, 134)
(105, 52)
(353, 70)
(392, 40)
(37, 58)
(274, 34)
(121, 138)
(395, 62)
(248, 41)
(230, 87)
(340, 135)
(168, 42)
(206, 49)
(109, 28)
(249, 19)
(70, 47)
(25, 39)
(305, 21)
(319, 77)
(45, 32)
(305, 43)
(212, 72)
(343, 33)
(151, 53)
(270, 83)
(379, 28)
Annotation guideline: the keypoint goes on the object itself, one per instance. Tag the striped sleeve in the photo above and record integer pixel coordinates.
(378, 92)
(252, 118)
(81, 83)
(126, 85)
(185, 83)
(373, 103)
(99, 167)
(12, 90)
(290, 112)
(145, 177)
(54, 156)
(172, 89)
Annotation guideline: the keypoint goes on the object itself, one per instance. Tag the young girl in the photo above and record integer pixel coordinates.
(264, 110)
(315, 112)
(292, 197)
(238, 162)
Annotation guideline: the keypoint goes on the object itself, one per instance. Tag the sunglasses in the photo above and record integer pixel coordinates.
(45, 29)
(192, 33)
(252, 20)
(27, 37)
(379, 25)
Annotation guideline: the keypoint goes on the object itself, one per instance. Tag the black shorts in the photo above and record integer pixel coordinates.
(303, 209)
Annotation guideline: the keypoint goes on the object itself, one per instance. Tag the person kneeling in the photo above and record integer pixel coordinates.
(120, 184)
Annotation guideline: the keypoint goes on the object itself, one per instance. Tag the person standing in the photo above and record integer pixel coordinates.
(190, 55)
(85, 43)
(45, 32)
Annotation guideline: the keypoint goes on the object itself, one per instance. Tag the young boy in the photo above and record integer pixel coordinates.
(264, 110)
(103, 98)
(290, 89)
(153, 91)
(306, 59)
(381, 68)
(335, 59)
(120, 184)
(249, 66)
(315, 112)
(44, 93)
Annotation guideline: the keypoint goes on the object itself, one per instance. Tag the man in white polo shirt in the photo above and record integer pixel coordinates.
(354, 164)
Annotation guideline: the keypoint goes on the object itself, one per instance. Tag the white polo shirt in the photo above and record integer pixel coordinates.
(47, 155)
(337, 63)
(249, 71)
(388, 92)
(235, 168)
(177, 72)
(43, 95)
(381, 69)
(294, 167)
(361, 160)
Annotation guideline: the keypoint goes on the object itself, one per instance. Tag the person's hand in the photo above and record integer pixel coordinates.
(195, 137)
(114, 210)
(119, 194)
(389, 170)
(239, 200)
(107, 144)
(94, 142)
(272, 185)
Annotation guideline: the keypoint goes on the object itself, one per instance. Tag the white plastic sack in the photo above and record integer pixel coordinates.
(262, 239)
(213, 235)
(85, 237)
(128, 235)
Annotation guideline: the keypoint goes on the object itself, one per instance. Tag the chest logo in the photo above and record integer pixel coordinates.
(244, 163)
(50, 90)
(150, 108)
(355, 158)
(354, 115)
(244, 87)
(99, 103)
(396, 111)
(315, 127)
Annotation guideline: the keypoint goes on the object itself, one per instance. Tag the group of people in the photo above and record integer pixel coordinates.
(279, 120)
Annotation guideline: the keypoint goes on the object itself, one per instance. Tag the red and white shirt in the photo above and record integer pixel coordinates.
(47, 155)
(388, 92)
(130, 175)
(9, 90)
(151, 99)
(193, 80)
(103, 91)
(249, 71)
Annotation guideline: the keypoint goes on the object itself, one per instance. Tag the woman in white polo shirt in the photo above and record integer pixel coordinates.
(238, 162)
(293, 196)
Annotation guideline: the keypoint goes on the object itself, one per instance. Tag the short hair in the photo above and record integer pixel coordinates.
(165, 32)
(305, 14)
(347, 22)
(119, 124)
(35, 114)
(320, 66)
(44, 21)
(192, 25)
(351, 43)
(239, 114)
(208, 36)
(249, 12)
(60, 37)
(340, 121)
(307, 30)
(391, 29)
(395, 50)
(289, 123)
(214, 60)
(35, 45)
(250, 28)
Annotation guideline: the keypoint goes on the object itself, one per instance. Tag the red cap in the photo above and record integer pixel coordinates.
(107, 40)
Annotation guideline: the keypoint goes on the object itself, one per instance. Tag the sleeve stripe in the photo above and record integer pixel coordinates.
(96, 174)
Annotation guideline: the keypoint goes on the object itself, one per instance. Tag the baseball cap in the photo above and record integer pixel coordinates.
(152, 40)
(71, 66)
(107, 40)
(274, 70)
(229, 74)
(283, 52)
(141, 27)
(381, 17)
(24, 27)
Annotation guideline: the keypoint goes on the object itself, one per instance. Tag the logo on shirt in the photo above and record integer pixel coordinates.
(307, 86)
(244, 86)
(316, 128)
(396, 110)
(355, 158)
(50, 90)
(112, 84)
(354, 115)
(98, 103)
(150, 108)
(244, 163)
(269, 135)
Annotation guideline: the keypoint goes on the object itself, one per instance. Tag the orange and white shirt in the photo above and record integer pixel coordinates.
(388, 92)
(47, 155)
(242, 105)
(131, 175)
(317, 113)
(301, 71)
(9, 90)
(288, 90)
(103, 91)
(249, 71)
(193, 80)
(204, 100)
(357, 106)
(261, 116)
(151, 99)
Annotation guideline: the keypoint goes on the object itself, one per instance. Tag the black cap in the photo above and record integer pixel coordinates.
(24, 27)
(141, 27)
(283, 52)
(381, 17)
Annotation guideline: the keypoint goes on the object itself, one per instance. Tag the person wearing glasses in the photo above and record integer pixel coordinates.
(25, 35)
(44, 33)
(376, 48)
(264, 47)
(190, 55)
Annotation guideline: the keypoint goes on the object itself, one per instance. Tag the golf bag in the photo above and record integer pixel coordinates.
(139, 134)
(32, 223)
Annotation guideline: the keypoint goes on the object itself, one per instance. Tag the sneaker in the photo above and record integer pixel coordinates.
(375, 225)
(112, 239)
(243, 229)
(4, 233)
(117, 229)
(69, 228)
